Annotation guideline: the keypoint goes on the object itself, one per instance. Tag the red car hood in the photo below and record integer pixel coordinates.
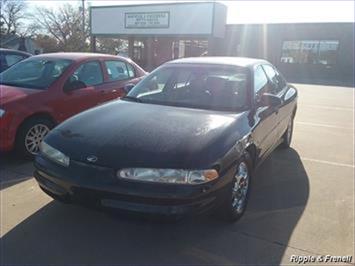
(9, 93)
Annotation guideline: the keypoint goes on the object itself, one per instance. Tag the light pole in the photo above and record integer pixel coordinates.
(83, 17)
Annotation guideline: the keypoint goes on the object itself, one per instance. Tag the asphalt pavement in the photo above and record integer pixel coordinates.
(302, 204)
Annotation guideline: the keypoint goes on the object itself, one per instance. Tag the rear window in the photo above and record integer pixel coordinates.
(119, 70)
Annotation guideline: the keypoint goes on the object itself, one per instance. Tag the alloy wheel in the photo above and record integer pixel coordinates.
(34, 137)
(240, 187)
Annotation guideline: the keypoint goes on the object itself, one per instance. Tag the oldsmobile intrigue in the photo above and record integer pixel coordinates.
(185, 139)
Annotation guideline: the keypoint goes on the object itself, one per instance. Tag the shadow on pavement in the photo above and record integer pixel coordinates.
(66, 234)
(14, 169)
(10, 159)
(12, 182)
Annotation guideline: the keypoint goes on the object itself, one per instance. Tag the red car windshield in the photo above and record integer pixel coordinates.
(34, 73)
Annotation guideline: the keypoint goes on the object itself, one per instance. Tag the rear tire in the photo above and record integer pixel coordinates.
(30, 135)
(287, 136)
(236, 202)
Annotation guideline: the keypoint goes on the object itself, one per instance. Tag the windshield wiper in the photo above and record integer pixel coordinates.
(131, 98)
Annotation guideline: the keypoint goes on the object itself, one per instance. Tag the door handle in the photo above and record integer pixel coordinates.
(276, 109)
(114, 90)
(105, 92)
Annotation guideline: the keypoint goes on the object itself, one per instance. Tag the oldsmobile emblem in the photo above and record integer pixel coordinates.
(91, 158)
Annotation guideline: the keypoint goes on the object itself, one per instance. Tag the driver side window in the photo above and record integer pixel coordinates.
(260, 82)
(276, 81)
(89, 73)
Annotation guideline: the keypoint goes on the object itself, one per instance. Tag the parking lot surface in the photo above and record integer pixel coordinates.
(302, 203)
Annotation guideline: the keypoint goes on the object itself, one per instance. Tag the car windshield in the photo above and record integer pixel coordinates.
(212, 87)
(34, 73)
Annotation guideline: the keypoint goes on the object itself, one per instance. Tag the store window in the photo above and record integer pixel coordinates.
(310, 52)
(138, 48)
(328, 52)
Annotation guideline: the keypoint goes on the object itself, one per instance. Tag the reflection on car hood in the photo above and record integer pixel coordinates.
(128, 134)
(10, 93)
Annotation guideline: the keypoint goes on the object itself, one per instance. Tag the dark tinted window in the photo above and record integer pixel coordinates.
(205, 87)
(90, 73)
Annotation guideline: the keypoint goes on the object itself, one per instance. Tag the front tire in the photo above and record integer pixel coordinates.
(30, 136)
(236, 202)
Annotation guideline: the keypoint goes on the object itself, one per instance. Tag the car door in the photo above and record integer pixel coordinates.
(278, 88)
(91, 75)
(264, 116)
(119, 74)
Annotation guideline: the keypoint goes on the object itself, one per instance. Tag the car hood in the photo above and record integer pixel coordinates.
(129, 134)
(10, 93)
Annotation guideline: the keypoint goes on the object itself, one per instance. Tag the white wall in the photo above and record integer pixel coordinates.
(220, 15)
(184, 19)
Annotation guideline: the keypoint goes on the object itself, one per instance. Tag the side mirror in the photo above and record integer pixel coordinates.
(74, 85)
(128, 87)
(268, 99)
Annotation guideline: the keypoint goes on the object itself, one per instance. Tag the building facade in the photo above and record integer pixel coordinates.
(156, 33)
(302, 51)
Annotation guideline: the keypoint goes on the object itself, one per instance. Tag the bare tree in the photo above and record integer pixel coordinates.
(64, 25)
(47, 43)
(108, 45)
(11, 13)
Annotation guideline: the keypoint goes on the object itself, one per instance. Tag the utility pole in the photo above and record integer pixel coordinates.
(83, 17)
(82, 9)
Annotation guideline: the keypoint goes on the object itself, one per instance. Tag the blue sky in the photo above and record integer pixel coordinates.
(253, 11)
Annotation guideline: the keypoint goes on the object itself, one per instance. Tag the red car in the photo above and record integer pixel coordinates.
(44, 90)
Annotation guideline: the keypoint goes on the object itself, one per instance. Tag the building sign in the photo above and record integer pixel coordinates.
(205, 19)
(146, 20)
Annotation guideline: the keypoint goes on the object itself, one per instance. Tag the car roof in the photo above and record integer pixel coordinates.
(2, 50)
(78, 56)
(221, 60)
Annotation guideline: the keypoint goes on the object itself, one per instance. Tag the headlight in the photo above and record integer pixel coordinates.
(54, 154)
(2, 112)
(176, 176)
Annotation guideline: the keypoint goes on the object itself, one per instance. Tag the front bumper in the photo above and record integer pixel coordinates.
(98, 187)
(7, 133)
(9, 125)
